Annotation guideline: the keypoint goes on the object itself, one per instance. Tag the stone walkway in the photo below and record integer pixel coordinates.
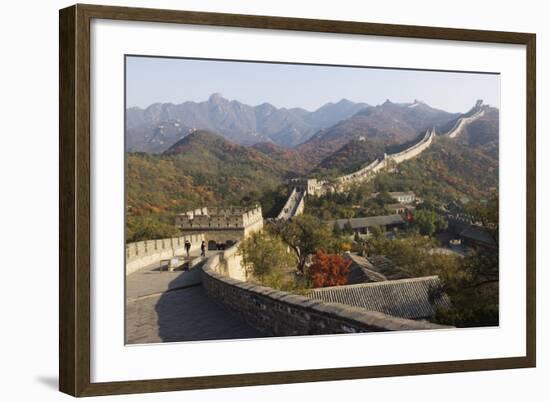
(173, 306)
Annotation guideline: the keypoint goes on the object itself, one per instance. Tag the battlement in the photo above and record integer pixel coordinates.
(213, 218)
(310, 186)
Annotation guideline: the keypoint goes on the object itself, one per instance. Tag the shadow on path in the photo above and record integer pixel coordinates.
(173, 306)
(189, 315)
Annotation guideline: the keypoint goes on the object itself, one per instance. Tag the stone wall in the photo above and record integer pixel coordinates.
(144, 253)
(228, 264)
(462, 122)
(283, 314)
(363, 173)
(414, 150)
(219, 218)
(294, 205)
(369, 171)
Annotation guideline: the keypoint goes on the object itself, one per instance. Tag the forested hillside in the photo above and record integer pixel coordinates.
(201, 169)
(446, 171)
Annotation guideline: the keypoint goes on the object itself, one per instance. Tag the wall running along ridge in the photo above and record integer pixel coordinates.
(145, 253)
(369, 171)
(295, 205)
(462, 122)
(280, 313)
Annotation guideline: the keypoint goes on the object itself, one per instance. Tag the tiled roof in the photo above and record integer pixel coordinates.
(478, 234)
(406, 298)
(362, 222)
(385, 266)
(361, 271)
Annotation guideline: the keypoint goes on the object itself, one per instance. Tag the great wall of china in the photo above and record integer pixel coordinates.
(301, 187)
(462, 122)
(222, 278)
(368, 172)
(144, 253)
(217, 287)
(294, 204)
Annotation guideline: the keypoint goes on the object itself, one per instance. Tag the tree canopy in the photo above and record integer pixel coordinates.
(305, 234)
(428, 222)
(264, 254)
(328, 270)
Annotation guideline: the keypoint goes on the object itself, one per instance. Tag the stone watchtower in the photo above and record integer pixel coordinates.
(221, 224)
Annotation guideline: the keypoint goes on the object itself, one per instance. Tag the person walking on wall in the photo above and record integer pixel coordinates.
(203, 249)
(187, 247)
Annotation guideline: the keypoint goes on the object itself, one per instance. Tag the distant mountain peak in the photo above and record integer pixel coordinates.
(344, 101)
(196, 139)
(216, 97)
(417, 103)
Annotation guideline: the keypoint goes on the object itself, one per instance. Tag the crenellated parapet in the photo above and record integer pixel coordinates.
(209, 218)
(144, 253)
(221, 225)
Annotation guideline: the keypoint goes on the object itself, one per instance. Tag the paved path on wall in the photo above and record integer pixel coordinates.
(150, 280)
(173, 306)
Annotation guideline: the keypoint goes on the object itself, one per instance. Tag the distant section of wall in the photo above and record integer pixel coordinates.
(414, 150)
(283, 314)
(368, 172)
(463, 122)
(294, 205)
(361, 174)
(144, 253)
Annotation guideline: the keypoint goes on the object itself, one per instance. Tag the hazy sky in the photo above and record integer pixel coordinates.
(151, 80)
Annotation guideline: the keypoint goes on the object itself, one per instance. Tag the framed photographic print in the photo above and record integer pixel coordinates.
(250, 200)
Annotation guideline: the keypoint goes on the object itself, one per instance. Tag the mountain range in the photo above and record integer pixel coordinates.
(155, 128)
(314, 134)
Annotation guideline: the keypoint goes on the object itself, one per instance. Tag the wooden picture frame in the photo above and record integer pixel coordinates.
(75, 207)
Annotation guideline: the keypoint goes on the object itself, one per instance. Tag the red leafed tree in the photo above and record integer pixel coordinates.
(328, 270)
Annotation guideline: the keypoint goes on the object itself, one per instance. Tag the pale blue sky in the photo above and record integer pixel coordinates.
(151, 80)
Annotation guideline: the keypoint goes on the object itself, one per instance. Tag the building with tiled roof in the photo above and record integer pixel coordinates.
(407, 298)
(361, 271)
(381, 264)
(373, 269)
(478, 237)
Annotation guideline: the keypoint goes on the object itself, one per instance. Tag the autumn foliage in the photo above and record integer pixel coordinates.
(328, 270)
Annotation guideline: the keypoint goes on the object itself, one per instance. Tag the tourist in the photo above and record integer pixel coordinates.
(203, 249)
(187, 247)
